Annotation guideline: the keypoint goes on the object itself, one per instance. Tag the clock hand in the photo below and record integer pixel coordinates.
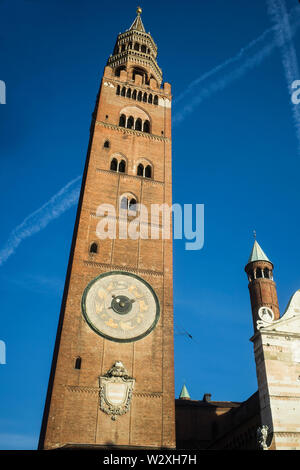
(122, 303)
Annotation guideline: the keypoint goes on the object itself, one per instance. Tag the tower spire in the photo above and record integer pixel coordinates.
(184, 394)
(135, 53)
(257, 253)
(138, 24)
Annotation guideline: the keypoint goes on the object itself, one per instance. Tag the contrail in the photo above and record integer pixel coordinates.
(35, 222)
(225, 64)
(248, 63)
(283, 36)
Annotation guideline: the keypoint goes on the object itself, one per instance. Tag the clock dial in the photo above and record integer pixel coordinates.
(266, 314)
(120, 306)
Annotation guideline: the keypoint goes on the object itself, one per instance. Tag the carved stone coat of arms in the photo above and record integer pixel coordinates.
(116, 391)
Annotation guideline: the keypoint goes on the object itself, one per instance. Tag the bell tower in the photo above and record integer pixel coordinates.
(112, 376)
(262, 288)
(276, 343)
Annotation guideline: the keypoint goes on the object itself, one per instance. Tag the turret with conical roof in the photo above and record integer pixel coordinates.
(257, 254)
(184, 394)
(263, 294)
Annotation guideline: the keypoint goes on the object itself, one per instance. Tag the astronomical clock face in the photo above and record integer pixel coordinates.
(120, 306)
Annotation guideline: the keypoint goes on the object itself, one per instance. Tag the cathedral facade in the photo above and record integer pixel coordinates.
(112, 376)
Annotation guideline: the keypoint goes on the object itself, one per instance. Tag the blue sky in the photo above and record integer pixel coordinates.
(235, 150)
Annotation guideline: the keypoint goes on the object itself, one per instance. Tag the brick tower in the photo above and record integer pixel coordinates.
(112, 374)
(263, 294)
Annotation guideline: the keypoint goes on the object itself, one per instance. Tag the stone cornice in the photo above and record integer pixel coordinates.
(292, 435)
(285, 397)
(125, 130)
(131, 84)
(135, 57)
(265, 332)
(123, 175)
(147, 394)
(80, 389)
(113, 267)
(137, 34)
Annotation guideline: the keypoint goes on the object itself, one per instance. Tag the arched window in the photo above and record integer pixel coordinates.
(124, 203)
(106, 144)
(139, 97)
(114, 164)
(94, 248)
(122, 166)
(141, 72)
(130, 45)
(118, 90)
(128, 94)
(122, 121)
(118, 70)
(266, 273)
(258, 273)
(155, 101)
(143, 49)
(132, 205)
(140, 170)
(148, 171)
(128, 203)
(138, 124)
(133, 95)
(123, 92)
(145, 98)
(146, 126)
(150, 99)
(130, 122)
(123, 48)
(78, 363)
(136, 46)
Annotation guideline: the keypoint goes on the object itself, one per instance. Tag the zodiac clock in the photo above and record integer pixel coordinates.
(120, 306)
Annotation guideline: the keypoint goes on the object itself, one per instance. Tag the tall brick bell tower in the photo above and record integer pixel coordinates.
(112, 374)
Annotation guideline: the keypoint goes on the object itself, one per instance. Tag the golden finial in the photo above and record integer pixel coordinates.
(139, 10)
